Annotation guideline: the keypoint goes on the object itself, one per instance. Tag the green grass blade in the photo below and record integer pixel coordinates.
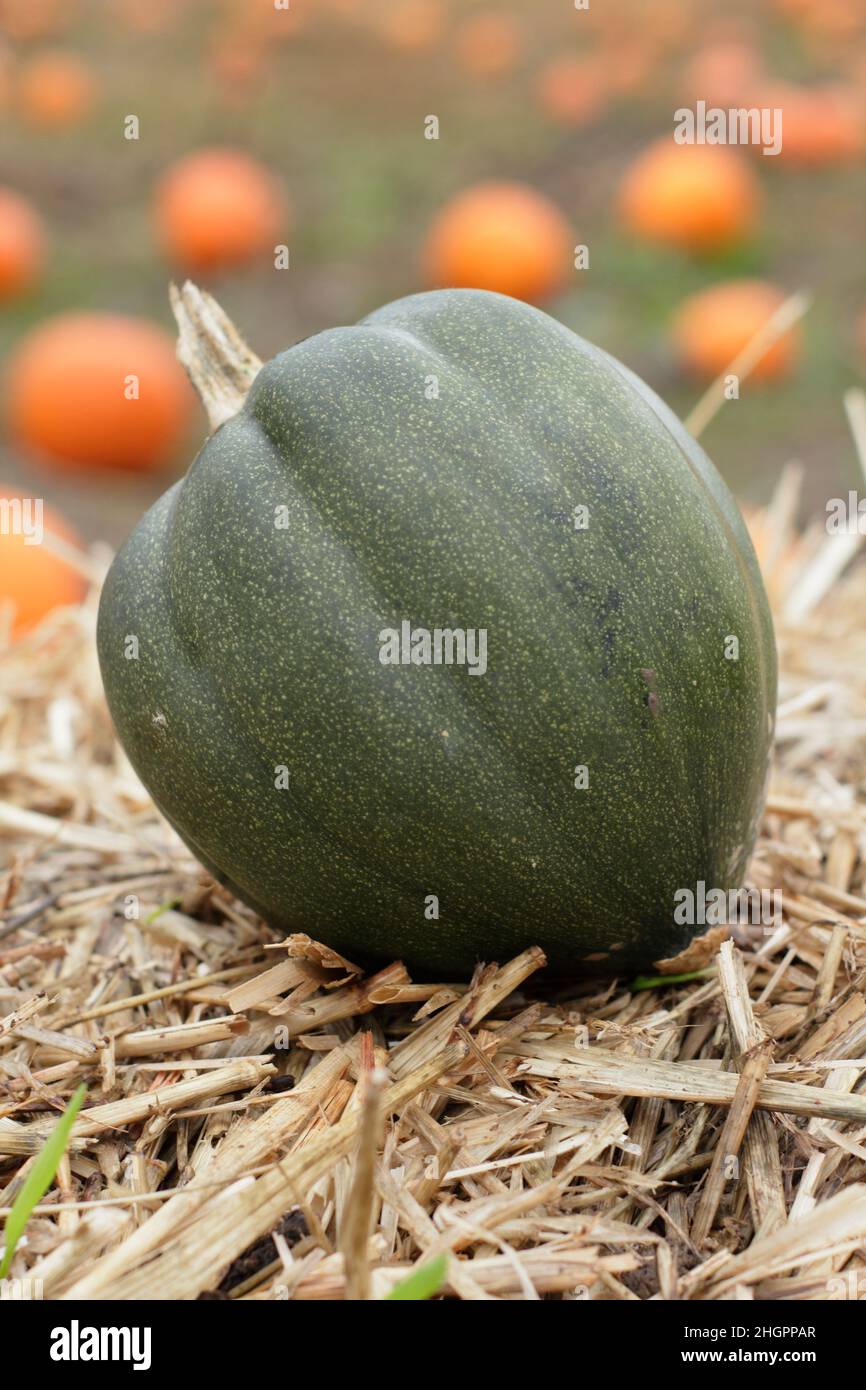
(425, 1280)
(660, 981)
(158, 911)
(40, 1178)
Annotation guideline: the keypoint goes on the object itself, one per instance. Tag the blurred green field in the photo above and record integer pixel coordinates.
(337, 112)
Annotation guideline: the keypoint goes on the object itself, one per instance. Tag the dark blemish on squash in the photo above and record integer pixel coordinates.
(610, 606)
(604, 480)
(553, 431)
(692, 615)
(608, 642)
(611, 603)
(573, 588)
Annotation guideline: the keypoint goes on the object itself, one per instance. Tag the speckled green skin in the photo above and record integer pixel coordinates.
(606, 647)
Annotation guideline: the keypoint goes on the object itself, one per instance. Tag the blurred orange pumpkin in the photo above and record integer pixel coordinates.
(489, 44)
(98, 391)
(699, 198)
(411, 25)
(147, 16)
(55, 90)
(573, 90)
(723, 74)
(628, 63)
(237, 62)
(33, 581)
(710, 328)
(22, 244)
(673, 22)
(821, 126)
(267, 19)
(37, 19)
(218, 208)
(500, 236)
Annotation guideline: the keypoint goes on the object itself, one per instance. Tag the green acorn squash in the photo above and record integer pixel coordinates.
(458, 460)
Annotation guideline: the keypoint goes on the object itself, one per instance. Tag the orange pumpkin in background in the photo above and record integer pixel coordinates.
(489, 45)
(821, 126)
(699, 198)
(411, 26)
(673, 22)
(33, 580)
(89, 391)
(237, 61)
(723, 74)
(56, 90)
(572, 90)
(500, 236)
(628, 63)
(147, 16)
(710, 328)
(266, 20)
(37, 19)
(218, 208)
(22, 245)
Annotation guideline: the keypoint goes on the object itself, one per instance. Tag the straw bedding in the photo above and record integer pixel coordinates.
(263, 1122)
